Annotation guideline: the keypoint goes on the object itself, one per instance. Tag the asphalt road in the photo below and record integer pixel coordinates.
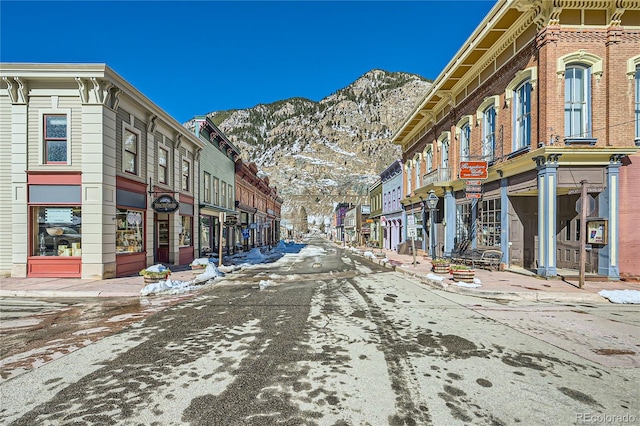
(331, 339)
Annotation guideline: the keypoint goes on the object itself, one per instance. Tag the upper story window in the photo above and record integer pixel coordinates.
(522, 115)
(393, 199)
(408, 173)
(486, 115)
(429, 160)
(416, 162)
(207, 188)
(216, 191)
(223, 194)
(465, 142)
(577, 68)
(130, 152)
(163, 166)
(577, 102)
(186, 175)
(489, 133)
(230, 202)
(445, 154)
(55, 139)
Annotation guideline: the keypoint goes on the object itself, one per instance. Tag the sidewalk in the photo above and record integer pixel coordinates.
(76, 287)
(511, 284)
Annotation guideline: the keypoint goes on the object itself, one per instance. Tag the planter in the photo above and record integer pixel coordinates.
(198, 269)
(463, 275)
(441, 268)
(151, 280)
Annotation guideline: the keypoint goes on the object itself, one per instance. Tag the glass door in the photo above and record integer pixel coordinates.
(162, 255)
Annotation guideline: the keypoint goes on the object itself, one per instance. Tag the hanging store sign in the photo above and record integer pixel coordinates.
(165, 204)
(474, 170)
(231, 220)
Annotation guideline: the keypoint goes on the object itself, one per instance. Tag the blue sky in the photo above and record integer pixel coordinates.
(192, 58)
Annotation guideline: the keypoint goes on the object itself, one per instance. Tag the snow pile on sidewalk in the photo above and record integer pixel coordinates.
(169, 286)
(621, 296)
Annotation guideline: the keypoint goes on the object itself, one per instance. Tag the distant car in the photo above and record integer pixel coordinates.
(55, 236)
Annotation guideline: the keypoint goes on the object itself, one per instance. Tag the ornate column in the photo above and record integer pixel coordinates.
(547, 211)
(608, 209)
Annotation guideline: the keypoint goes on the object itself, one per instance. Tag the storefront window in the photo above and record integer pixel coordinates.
(57, 231)
(205, 236)
(185, 230)
(490, 228)
(129, 235)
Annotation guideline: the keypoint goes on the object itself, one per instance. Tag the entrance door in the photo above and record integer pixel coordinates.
(162, 255)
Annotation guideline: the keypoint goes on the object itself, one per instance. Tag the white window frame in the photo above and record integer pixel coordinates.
(463, 135)
(189, 176)
(416, 161)
(488, 128)
(42, 152)
(167, 167)
(522, 116)
(206, 187)
(428, 159)
(136, 132)
(444, 144)
(408, 173)
(573, 84)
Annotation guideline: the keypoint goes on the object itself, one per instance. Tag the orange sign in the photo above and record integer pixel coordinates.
(474, 170)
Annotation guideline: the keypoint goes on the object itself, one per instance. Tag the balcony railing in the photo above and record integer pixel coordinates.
(437, 175)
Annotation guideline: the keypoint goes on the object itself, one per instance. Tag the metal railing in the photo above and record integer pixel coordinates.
(437, 175)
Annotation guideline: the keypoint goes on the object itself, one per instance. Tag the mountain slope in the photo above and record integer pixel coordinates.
(319, 153)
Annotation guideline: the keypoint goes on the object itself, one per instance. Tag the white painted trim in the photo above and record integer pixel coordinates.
(580, 57)
(530, 74)
(632, 65)
(488, 101)
(54, 110)
(184, 158)
(126, 127)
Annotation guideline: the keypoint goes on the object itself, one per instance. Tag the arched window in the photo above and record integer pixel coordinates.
(443, 145)
(463, 135)
(417, 171)
(428, 160)
(487, 114)
(577, 102)
(522, 116)
(465, 142)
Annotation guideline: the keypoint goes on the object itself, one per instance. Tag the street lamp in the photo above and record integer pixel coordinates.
(432, 203)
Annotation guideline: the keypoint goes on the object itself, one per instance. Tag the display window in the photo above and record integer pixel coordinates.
(57, 231)
(185, 230)
(129, 233)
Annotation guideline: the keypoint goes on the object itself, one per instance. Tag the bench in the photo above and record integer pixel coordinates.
(488, 259)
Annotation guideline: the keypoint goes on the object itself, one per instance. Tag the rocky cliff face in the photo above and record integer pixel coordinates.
(321, 153)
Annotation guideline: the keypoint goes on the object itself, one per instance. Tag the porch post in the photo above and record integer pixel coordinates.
(547, 181)
(450, 220)
(504, 220)
(608, 209)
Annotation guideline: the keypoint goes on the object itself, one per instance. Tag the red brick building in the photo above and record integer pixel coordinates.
(542, 96)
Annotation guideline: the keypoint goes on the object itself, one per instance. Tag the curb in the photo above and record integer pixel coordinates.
(495, 294)
(509, 295)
